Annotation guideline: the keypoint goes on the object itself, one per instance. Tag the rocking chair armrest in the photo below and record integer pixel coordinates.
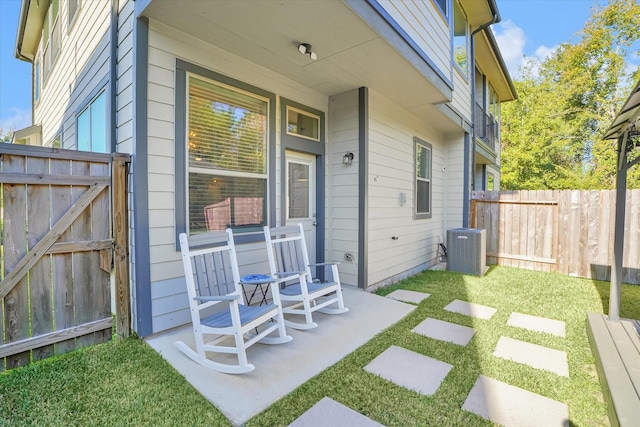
(218, 298)
(321, 264)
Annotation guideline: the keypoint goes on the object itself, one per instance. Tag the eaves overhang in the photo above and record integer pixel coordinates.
(356, 46)
(32, 14)
(479, 12)
(490, 61)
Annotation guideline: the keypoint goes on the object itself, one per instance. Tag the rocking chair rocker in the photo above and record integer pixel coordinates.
(213, 278)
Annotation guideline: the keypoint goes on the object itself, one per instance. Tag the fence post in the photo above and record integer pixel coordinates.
(120, 214)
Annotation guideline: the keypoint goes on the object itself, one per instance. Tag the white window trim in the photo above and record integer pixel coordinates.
(422, 215)
(466, 74)
(49, 67)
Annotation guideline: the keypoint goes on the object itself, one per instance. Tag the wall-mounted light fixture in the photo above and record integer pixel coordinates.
(306, 49)
(347, 159)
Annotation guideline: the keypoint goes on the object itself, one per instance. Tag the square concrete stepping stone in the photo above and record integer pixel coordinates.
(408, 296)
(511, 406)
(471, 309)
(409, 369)
(328, 412)
(537, 324)
(445, 331)
(534, 355)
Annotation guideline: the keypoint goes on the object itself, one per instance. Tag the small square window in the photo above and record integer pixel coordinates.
(303, 124)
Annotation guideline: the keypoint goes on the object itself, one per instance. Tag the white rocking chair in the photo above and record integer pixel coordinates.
(213, 278)
(288, 256)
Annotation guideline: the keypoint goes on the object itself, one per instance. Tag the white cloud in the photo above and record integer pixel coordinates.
(543, 52)
(17, 119)
(511, 40)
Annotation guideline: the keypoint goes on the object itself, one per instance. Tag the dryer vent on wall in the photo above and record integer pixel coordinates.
(467, 250)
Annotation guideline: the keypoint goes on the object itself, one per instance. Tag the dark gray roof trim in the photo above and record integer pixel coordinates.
(503, 65)
(628, 115)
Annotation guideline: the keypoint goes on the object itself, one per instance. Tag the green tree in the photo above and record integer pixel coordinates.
(6, 136)
(552, 135)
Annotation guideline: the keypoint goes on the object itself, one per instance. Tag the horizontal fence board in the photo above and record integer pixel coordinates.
(567, 231)
(55, 337)
(49, 179)
(52, 153)
(89, 245)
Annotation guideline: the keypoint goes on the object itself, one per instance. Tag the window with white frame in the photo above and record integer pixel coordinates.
(227, 134)
(460, 39)
(91, 126)
(72, 11)
(423, 162)
(50, 37)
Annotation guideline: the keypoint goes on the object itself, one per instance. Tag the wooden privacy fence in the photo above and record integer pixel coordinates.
(567, 231)
(57, 220)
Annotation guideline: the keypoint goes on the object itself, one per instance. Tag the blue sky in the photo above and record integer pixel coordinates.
(536, 27)
(528, 27)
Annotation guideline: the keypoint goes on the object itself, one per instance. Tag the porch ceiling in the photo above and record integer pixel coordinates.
(350, 53)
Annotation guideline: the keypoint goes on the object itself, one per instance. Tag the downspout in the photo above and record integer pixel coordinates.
(471, 148)
(113, 72)
(22, 22)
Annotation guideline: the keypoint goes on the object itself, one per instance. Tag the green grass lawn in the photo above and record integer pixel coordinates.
(507, 289)
(119, 383)
(128, 383)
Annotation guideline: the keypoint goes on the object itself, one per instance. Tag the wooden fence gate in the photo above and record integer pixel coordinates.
(62, 240)
(567, 231)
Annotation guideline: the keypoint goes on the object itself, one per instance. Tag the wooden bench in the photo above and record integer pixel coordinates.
(616, 347)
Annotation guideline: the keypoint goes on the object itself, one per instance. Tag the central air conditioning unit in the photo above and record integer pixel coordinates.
(467, 250)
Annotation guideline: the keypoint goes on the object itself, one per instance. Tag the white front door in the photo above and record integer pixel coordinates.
(300, 196)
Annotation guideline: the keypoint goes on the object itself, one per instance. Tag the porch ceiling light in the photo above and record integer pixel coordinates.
(347, 159)
(306, 49)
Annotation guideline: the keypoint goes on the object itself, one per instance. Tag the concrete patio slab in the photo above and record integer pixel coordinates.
(511, 406)
(537, 324)
(534, 355)
(410, 370)
(408, 296)
(445, 331)
(328, 412)
(282, 368)
(471, 309)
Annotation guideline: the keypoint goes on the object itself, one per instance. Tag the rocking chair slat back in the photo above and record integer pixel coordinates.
(289, 252)
(212, 269)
